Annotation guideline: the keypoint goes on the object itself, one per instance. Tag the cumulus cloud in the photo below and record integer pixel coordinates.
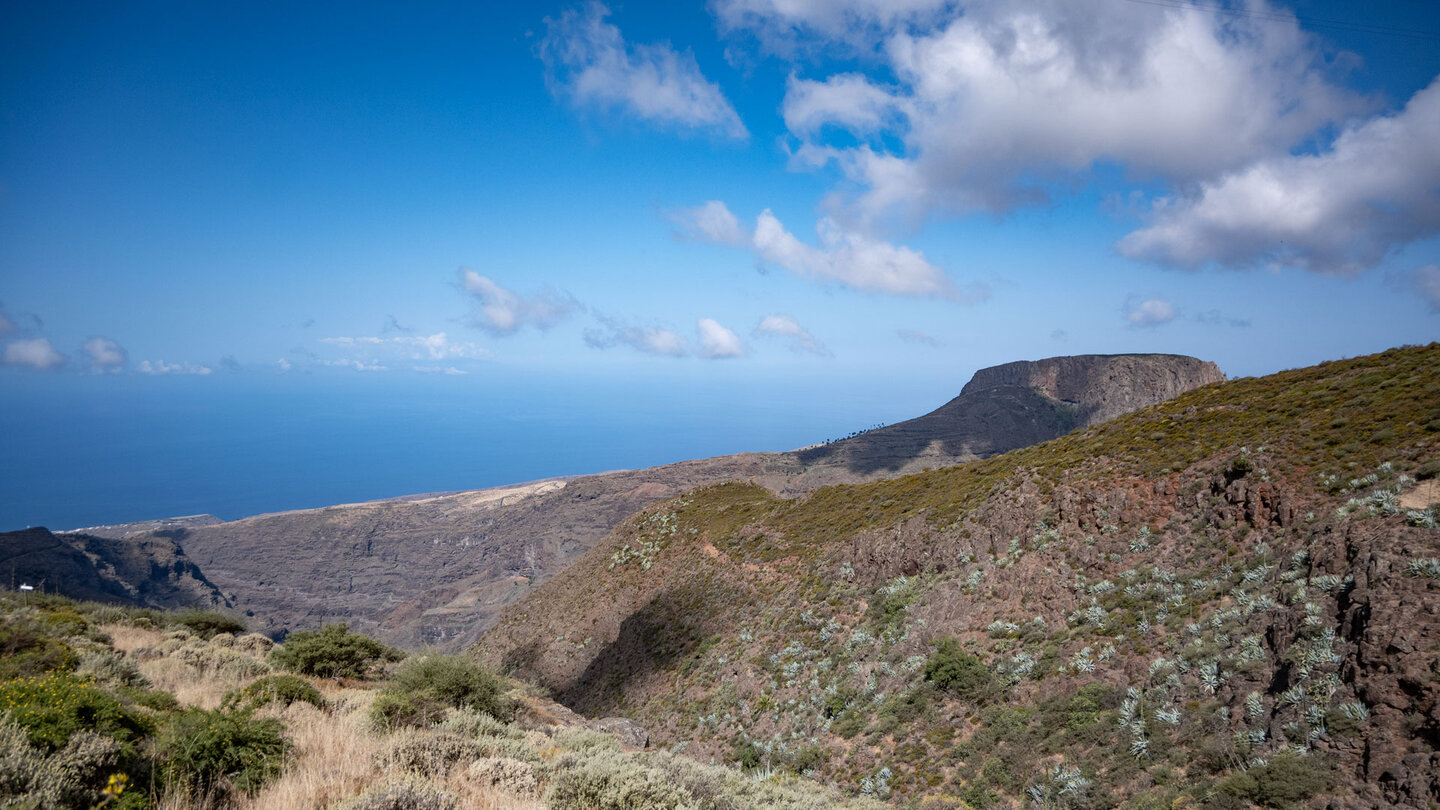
(435, 347)
(161, 368)
(711, 222)
(717, 342)
(502, 312)
(1337, 213)
(649, 339)
(34, 353)
(846, 257)
(1426, 281)
(588, 60)
(785, 326)
(996, 104)
(1148, 312)
(105, 354)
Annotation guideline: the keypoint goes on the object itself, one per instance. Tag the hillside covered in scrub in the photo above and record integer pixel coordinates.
(437, 569)
(123, 707)
(1228, 599)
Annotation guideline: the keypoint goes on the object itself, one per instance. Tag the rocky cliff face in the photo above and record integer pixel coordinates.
(148, 571)
(437, 570)
(1015, 405)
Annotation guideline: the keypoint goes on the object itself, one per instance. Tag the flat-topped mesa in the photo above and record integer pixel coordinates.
(1101, 386)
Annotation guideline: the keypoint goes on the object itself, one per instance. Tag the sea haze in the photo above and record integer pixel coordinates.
(86, 451)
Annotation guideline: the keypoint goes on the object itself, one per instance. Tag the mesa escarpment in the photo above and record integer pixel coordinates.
(1016, 405)
(1228, 599)
(437, 569)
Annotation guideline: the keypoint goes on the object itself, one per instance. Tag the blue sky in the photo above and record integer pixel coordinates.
(700, 205)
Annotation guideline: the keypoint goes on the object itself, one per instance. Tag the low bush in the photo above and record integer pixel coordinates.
(958, 672)
(332, 652)
(52, 708)
(404, 793)
(502, 773)
(282, 689)
(425, 752)
(208, 623)
(209, 753)
(26, 652)
(1285, 781)
(611, 781)
(421, 691)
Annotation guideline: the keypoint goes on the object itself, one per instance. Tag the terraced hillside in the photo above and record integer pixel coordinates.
(1228, 599)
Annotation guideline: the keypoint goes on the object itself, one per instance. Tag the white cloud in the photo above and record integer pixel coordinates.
(1338, 212)
(712, 222)
(105, 354)
(285, 365)
(34, 352)
(6, 325)
(502, 312)
(160, 367)
(649, 340)
(846, 257)
(1426, 281)
(435, 347)
(450, 371)
(998, 103)
(785, 326)
(717, 341)
(587, 59)
(1147, 312)
(357, 365)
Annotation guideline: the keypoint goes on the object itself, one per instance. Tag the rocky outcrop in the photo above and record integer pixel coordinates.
(1016, 405)
(147, 571)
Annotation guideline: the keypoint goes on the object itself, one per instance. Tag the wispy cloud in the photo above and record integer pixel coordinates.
(847, 257)
(356, 365)
(588, 61)
(105, 354)
(786, 327)
(502, 312)
(435, 347)
(36, 353)
(918, 337)
(162, 368)
(646, 339)
(1426, 281)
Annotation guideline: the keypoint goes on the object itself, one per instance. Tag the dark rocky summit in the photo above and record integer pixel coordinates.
(145, 570)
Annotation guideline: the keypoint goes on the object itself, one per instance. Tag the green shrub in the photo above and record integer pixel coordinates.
(207, 623)
(72, 776)
(396, 710)
(52, 708)
(26, 652)
(1285, 781)
(503, 773)
(958, 672)
(282, 689)
(209, 752)
(423, 688)
(331, 652)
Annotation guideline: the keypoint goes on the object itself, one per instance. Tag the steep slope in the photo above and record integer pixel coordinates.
(436, 570)
(1229, 598)
(1016, 405)
(145, 571)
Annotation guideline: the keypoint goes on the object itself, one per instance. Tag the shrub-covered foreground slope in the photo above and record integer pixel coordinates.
(1231, 598)
(103, 706)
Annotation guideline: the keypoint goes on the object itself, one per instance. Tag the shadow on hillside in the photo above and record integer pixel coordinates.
(975, 425)
(652, 639)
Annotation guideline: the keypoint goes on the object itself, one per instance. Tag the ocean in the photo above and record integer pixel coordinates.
(83, 451)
